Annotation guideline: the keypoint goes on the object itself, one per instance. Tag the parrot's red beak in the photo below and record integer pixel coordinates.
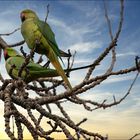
(5, 54)
(22, 16)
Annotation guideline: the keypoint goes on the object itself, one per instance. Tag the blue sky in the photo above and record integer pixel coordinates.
(81, 26)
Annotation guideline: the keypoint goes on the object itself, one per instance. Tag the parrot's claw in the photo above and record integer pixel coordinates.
(37, 42)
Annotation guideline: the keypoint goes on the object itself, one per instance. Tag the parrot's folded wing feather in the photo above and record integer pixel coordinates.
(38, 71)
(34, 66)
(49, 35)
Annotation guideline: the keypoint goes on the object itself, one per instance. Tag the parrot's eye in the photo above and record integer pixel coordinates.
(22, 16)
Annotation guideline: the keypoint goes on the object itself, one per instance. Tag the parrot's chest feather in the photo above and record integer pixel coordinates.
(34, 37)
(30, 32)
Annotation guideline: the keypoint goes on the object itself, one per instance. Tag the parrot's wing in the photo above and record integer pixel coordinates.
(46, 31)
(38, 71)
(34, 66)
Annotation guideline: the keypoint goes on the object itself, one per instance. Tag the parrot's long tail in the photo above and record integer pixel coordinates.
(62, 73)
(55, 62)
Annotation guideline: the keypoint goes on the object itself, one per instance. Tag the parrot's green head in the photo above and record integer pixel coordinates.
(27, 14)
(9, 52)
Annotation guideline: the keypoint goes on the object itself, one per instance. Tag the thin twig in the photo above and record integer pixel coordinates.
(7, 34)
(48, 6)
(111, 36)
(108, 20)
(17, 44)
(134, 136)
(27, 60)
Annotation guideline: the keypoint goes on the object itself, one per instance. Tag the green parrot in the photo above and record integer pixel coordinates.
(39, 36)
(33, 71)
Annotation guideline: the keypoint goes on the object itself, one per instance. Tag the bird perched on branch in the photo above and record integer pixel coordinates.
(31, 72)
(39, 36)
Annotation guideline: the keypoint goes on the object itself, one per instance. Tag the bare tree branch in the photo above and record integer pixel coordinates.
(7, 34)
(134, 136)
(52, 91)
(17, 44)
